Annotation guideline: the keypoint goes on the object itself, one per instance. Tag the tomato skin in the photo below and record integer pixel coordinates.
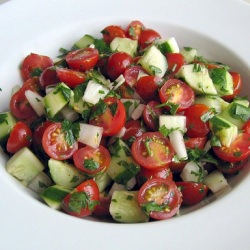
(82, 201)
(133, 129)
(192, 192)
(246, 127)
(158, 191)
(175, 62)
(102, 209)
(151, 115)
(230, 168)
(20, 136)
(195, 142)
(54, 143)
(33, 64)
(147, 37)
(48, 77)
(239, 149)
(112, 31)
(71, 77)
(117, 64)
(134, 29)
(99, 155)
(195, 126)
(39, 131)
(237, 86)
(82, 59)
(177, 92)
(131, 74)
(111, 123)
(147, 87)
(152, 150)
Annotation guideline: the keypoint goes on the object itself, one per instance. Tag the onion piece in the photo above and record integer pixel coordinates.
(69, 114)
(35, 101)
(137, 113)
(177, 141)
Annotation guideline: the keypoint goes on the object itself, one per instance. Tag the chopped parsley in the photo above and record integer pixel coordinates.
(71, 131)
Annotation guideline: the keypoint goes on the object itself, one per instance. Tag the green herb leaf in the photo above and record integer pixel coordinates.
(91, 164)
(71, 131)
(98, 109)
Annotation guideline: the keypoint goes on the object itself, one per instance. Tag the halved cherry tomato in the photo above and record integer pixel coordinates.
(134, 129)
(102, 209)
(239, 149)
(83, 200)
(131, 74)
(146, 174)
(178, 93)
(147, 37)
(195, 126)
(34, 64)
(92, 160)
(152, 150)
(70, 77)
(192, 192)
(175, 61)
(147, 87)
(151, 115)
(112, 31)
(20, 136)
(195, 142)
(237, 86)
(160, 198)
(117, 63)
(231, 167)
(110, 114)
(48, 77)
(55, 144)
(246, 127)
(82, 59)
(134, 29)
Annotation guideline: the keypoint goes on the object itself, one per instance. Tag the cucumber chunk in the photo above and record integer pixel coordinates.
(168, 46)
(189, 54)
(124, 207)
(40, 183)
(65, 174)
(126, 45)
(54, 195)
(197, 77)
(24, 166)
(7, 122)
(83, 42)
(154, 62)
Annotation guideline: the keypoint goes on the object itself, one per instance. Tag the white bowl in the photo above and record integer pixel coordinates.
(218, 29)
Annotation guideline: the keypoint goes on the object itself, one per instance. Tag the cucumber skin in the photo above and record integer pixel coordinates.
(6, 126)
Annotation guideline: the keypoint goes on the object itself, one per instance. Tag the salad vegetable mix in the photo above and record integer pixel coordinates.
(127, 126)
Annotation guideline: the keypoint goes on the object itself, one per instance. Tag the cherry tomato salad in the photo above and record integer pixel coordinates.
(128, 126)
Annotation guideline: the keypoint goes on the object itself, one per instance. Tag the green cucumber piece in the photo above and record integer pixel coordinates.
(65, 174)
(7, 122)
(83, 42)
(24, 166)
(223, 129)
(103, 180)
(222, 80)
(168, 46)
(124, 207)
(54, 195)
(40, 183)
(123, 44)
(57, 99)
(122, 166)
(197, 77)
(189, 54)
(154, 62)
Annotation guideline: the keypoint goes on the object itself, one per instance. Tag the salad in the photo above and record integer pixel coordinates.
(127, 126)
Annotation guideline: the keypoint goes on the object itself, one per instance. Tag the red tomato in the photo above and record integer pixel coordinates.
(110, 115)
(195, 126)
(134, 29)
(192, 192)
(231, 167)
(92, 160)
(176, 92)
(239, 149)
(175, 61)
(147, 37)
(102, 209)
(48, 77)
(34, 64)
(82, 201)
(82, 59)
(133, 130)
(55, 144)
(125, 91)
(20, 136)
(151, 115)
(177, 167)
(196, 142)
(246, 127)
(146, 174)
(112, 31)
(117, 63)
(131, 74)
(147, 87)
(160, 198)
(152, 150)
(237, 86)
(70, 77)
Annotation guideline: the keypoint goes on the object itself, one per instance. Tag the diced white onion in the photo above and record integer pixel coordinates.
(131, 105)
(90, 134)
(137, 113)
(35, 101)
(94, 92)
(49, 89)
(190, 172)
(173, 122)
(121, 132)
(119, 81)
(177, 141)
(131, 183)
(69, 114)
